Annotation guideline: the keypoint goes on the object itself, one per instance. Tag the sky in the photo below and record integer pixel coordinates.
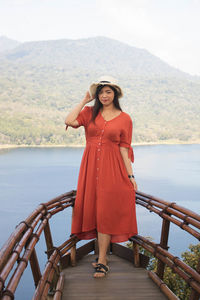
(169, 29)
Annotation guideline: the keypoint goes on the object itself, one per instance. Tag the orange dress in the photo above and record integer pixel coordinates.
(105, 200)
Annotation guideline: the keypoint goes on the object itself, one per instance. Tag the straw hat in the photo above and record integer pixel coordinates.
(105, 80)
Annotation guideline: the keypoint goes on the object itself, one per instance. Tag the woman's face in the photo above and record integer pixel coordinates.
(106, 96)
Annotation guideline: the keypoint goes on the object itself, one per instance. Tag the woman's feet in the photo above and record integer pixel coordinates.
(101, 270)
(94, 263)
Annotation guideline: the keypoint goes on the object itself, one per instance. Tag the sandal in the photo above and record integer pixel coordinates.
(101, 268)
(94, 264)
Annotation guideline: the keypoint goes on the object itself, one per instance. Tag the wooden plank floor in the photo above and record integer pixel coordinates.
(124, 281)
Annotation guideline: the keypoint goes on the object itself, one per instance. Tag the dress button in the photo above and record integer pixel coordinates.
(97, 169)
(102, 130)
(96, 177)
(98, 149)
(99, 143)
(98, 158)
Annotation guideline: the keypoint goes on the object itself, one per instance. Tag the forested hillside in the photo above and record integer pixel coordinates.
(41, 81)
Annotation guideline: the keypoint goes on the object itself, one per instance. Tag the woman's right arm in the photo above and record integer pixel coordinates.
(71, 117)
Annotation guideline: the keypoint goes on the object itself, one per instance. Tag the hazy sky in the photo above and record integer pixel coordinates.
(169, 29)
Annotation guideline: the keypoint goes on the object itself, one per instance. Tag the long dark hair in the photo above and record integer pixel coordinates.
(98, 105)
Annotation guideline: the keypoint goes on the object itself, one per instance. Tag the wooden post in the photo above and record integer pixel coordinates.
(49, 244)
(73, 256)
(48, 239)
(35, 268)
(136, 255)
(163, 244)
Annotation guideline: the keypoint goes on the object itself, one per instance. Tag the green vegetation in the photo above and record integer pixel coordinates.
(175, 283)
(41, 81)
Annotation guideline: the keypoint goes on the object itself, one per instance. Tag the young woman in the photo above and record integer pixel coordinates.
(105, 200)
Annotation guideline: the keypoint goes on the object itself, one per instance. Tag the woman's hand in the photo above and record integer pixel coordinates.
(71, 117)
(134, 183)
(87, 98)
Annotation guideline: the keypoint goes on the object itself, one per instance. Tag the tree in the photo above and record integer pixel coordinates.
(175, 283)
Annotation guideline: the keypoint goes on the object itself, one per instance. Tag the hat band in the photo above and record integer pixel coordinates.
(104, 81)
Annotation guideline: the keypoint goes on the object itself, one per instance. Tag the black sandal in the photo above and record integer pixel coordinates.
(99, 268)
(94, 263)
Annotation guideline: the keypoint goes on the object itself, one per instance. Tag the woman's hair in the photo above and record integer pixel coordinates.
(98, 104)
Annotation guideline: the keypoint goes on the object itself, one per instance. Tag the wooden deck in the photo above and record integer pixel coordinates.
(124, 281)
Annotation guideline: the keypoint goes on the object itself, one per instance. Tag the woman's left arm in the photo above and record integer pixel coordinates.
(128, 165)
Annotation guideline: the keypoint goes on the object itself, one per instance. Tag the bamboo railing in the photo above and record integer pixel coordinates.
(20, 249)
(183, 218)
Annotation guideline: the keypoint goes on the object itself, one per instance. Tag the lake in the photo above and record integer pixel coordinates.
(29, 176)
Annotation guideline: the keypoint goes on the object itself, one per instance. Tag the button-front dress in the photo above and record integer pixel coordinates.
(105, 200)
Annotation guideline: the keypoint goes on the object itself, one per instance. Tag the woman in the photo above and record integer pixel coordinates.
(105, 200)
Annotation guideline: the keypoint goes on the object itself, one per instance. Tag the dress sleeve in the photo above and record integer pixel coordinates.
(83, 117)
(126, 138)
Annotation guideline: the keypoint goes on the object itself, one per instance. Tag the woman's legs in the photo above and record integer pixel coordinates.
(103, 243)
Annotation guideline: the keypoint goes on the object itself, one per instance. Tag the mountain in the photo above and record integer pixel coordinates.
(7, 44)
(93, 54)
(40, 82)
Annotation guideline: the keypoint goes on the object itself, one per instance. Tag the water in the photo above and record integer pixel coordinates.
(29, 176)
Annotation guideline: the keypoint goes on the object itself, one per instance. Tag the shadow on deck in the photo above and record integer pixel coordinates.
(124, 281)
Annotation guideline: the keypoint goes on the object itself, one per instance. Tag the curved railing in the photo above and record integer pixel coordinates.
(182, 217)
(24, 238)
(20, 248)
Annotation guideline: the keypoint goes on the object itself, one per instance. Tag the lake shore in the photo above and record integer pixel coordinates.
(169, 142)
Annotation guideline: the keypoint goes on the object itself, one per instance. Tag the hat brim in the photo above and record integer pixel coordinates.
(93, 88)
